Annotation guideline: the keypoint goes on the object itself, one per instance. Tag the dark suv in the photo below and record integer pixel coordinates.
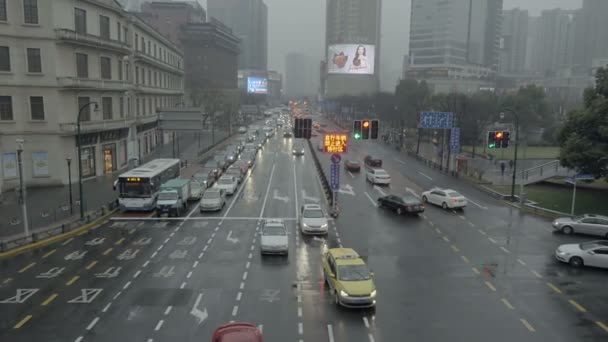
(373, 162)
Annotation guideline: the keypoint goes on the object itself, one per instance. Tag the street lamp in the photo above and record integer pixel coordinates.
(515, 154)
(69, 160)
(78, 146)
(22, 197)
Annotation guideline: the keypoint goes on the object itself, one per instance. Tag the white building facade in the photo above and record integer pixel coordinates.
(62, 57)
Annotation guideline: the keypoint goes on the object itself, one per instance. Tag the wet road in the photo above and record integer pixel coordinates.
(485, 273)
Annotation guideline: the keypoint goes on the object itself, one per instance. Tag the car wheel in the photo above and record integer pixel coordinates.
(380, 205)
(336, 298)
(424, 199)
(444, 205)
(567, 230)
(576, 261)
(399, 211)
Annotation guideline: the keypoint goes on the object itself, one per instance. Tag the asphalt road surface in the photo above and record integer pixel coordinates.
(483, 274)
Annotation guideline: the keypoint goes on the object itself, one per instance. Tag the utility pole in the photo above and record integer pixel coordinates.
(22, 195)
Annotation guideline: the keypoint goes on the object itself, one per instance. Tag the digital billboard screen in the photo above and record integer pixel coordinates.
(351, 59)
(257, 85)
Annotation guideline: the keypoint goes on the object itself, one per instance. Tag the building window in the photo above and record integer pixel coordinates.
(151, 106)
(34, 61)
(155, 78)
(129, 106)
(119, 69)
(80, 20)
(143, 44)
(118, 31)
(149, 77)
(106, 104)
(128, 71)
(37, 107)
(5, 59)
(86, 112)
(6, 108)
(106, 68)
(125, 32)
(122, 107)
(3, 10)
(136, 74)
(87, 160)
(82, 65)
(104, 27)
(143, 75)
(30, 11)
(137, 107)
(149, 51)
(136, 42)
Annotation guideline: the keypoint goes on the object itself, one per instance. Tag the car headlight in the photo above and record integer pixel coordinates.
(305, 225)
(562, 253)
(373, 294)
(343, 294)
(324, 225)
(294, 151)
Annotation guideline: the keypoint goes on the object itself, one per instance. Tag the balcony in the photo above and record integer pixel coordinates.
(76, 83)
(144, 89)
(140, 56)
(95, 126)
(92, 41)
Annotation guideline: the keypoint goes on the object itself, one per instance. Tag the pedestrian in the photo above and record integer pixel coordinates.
(502, 168)
(511, 163)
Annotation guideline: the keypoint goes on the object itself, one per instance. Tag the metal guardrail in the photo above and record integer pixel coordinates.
(545, 170)
(322, 176)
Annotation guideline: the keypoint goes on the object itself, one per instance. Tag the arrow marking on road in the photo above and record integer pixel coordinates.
(230, 238)
(95, 241)
(86, 296)
(347, 189)
(20, 297)
(178, 254)
(52, 273)
(111, 272)
(377, 188)
(200, 315)
(305, 197)
(280, 198)
(165, 272)
(412, 192)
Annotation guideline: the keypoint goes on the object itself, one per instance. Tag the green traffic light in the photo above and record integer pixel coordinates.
(357, 136)
(492, 146)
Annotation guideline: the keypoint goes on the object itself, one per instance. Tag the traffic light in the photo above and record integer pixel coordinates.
(374, 129)
(365, 126)
(498, 139)
(491, 139)
(307, 128)
(357, 129)
(297, 128)
(506, 138)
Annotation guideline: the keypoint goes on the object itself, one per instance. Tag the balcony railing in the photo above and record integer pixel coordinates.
(89, 83)
(92, 41)
(158, 63)
(157, 90)
(95, 126)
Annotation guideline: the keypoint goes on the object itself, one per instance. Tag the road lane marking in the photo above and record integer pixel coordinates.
(239, 295)
(492, 240)
(299, 311)
(67, 241)
(431, 223)
(465, 259)
(105, 309)
(195, 264)
(126, 285)
(475, 270)
(521, 262)
(146, 263)
(159, 325)
(300, 328)
(371, 337)
(251, 255)
(330, 333)
(602, 325)
(168, 310)
(507, 304)
(91, 265)
(351, 174)
(370, 199)
(73, 280)
(22, 322)
(477, 204)
(577, 305)
(200, 256)
(119, 241)
(261, 328)
(481, 232)
(93, 322)
(445, 238)
(527, 325)
(49, 253)
(182, 285)
(160, 247)
(248, 264)
(189, 275)
(153, 255)
(50, 299)
(462, 217)
(554, 288)
(472, 224)
(107, 251)
(137, 274)
(438, 230)
(299, 299)
(455, 249)
(425, 176)
(490, 286)
(537, 274)
(267, 191)
(117, 294)
(78, 339)
(235, 310)
(505, 250)
(27, 267)
(242, 285)
(167, 240)
(245, 275)
(366, 322)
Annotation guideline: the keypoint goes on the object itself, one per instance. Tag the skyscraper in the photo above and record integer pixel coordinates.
(300, 75)
(248, 19)
(352, 40)
(553, 38)
(591, 37)
(514, 40)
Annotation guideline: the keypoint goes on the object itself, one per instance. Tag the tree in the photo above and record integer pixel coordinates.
(480, 110)
(412, 97)
(530, 103)
(584, 136)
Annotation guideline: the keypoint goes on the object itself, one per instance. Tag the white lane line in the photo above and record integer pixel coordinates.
(195, 264)
(299, 311)
(92, 324)
(235, 310)
(300, 328)
(153, 255)
(399, 161)
(239, 295)
(105, 308)
(267, 191)
(481, 232)
(527, 325)
(205, 248)
(330, 333)
(200, 256)
(537, 274)
(462, 217)
(412, 192)
(299, 299)
(366, 322)
(245, 275)
(475, 270)
(371, 199)
(425, 176)
(247, 264)
(521, 262)
(160, 247)
(159, 325)
(209, 241)
(295, 190)
(216, 229)
(505, 250)
(252, 247)
(78, 339)
(465, 259)
(172, 234)
(472, 224)
(492, 240)
(146, 263)
(213, 235)
(351, 174)
(126, 285)
(250, 256)
(137, 274)
(189, 275)
(182, 285)
(371, 337)
(117, 295)
(261, 328)
(242, 285)
(166, 240)
(168, 310)
(149, 340)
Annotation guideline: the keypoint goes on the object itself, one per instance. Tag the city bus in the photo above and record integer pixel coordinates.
(139, 187)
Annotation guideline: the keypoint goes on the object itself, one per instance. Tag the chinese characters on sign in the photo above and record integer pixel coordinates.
(335, 143)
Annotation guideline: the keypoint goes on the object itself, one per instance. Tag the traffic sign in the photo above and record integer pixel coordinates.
(455, 140)
(436, 120)
(334, 177)
(335, 143)
(580, 176)
(335, 158)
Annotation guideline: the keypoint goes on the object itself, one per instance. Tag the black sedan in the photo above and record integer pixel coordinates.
(352, 166)
(406, 204)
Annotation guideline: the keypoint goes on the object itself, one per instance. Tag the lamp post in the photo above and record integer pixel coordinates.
(69, 160)
(515, 154)
(22, 197)
(78, 146)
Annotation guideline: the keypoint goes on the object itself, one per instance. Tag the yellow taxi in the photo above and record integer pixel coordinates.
(349, 279)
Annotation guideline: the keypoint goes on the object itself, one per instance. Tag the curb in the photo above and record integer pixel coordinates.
(57, 238)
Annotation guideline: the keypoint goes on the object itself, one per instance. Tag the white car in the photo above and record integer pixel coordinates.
(446, 198)
(298, 150)
(242, 129)
(592, 253)
(377, 176)
(274, 238)
(196, 190)
(313, 220)
(212, 200)
(227, 183)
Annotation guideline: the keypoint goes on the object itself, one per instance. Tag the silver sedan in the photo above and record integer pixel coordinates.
(592, 253)
(585, 224)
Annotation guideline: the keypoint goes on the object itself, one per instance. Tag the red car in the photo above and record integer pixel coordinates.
(352, 165)
(237, 332)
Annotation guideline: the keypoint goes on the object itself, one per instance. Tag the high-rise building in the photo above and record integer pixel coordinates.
(591, 37)
(455, 43)
(248, 20)
(352, 41)
(514, 39)
(553, 38)
(301, 77)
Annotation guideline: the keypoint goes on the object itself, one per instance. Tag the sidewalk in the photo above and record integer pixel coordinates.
(49, 207)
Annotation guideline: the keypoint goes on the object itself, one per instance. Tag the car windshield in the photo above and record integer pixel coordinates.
(226, 181)
(353, 162)
(167, 196)
(408, 199)
(353, 272)
(593, 244)
(274, 231)
(381, 173)
(313, 213)
(453, 194)
(211, 194)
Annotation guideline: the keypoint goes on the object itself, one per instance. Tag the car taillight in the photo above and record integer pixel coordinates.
(454, 200)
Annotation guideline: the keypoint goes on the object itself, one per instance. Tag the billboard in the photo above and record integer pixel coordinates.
(257, 85)
(351, 59)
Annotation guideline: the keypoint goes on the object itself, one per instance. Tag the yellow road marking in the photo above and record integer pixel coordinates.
(120, 241)
(72, 281)
(527, 325)
(7, 280)
(438, 230)
(445, 238)
(490, 286)
(465, 259)
(49, 253)
(577, 305)
(26, 267)
(67, 241)
(431, 223)
(455, 249)
(472, 224)
(507, 304)
(537, 274)
(22, 322)
(50, 299)
(602, 325)
(83, 232)
(554, 288)
(91, 265)
(107, 251)
(475, 270)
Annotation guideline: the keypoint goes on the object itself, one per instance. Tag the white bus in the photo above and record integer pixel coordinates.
(139, 187)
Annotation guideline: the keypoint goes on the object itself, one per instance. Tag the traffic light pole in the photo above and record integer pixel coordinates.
(515, 154)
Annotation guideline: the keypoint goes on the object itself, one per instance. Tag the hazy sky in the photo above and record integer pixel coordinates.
(299, 26)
